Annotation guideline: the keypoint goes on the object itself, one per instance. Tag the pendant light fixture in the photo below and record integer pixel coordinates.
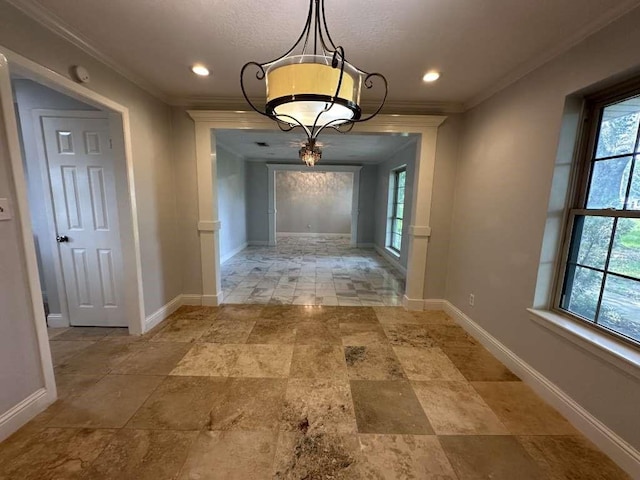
(312, 86)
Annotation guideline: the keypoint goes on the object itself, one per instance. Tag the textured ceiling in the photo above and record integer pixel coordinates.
(478, 45)
(284, 146)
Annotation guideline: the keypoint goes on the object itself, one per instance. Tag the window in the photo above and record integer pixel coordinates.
(600, 281)
(396, 199)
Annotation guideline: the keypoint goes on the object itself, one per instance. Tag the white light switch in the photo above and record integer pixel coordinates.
(5, 210)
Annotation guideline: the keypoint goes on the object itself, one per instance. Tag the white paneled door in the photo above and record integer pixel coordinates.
(81, 171)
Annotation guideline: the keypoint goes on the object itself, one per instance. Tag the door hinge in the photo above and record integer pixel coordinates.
(111, 144)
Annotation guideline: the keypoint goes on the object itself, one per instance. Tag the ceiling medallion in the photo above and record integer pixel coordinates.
(312, 86)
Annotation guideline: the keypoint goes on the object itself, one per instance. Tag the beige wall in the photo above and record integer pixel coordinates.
(503, 184)
(151, 144)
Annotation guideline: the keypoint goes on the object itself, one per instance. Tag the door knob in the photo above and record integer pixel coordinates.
(62, 238)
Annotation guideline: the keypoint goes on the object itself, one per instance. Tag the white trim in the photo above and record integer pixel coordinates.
(415, 304)
(162, 313)
(212, 300)
(204, 226)
(625, 455)
(616, 352)
(57, 320)
(191, 299)
(51, 79)
(19, 414)
(207, 122)
(234, 252)
(24, 218)
(555, 51)
(52, 22)
(434, 304)
(419, 231)
(392, 259)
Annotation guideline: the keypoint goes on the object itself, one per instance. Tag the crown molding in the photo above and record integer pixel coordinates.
(34, 10)
(538, 61)
(390, 107)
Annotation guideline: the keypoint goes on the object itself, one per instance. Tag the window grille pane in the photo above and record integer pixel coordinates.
(633, 201)
(619, 128)
(625, 254)
(620, 309)
(396, 241)
(400, 210)
(609, 183)
(402, 178)
(400, 195)
(582, 291)
(591, 238)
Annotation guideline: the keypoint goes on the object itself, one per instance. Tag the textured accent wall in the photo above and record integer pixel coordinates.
(314, 202)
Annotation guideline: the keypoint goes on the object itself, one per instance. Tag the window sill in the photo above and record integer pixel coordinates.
(392, 252)
(606, 347)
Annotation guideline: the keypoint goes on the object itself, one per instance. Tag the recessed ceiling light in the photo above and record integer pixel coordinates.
(200, 69)
(431, 76)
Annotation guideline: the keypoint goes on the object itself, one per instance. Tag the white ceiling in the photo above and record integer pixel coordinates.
(284, 146)
(479, 46)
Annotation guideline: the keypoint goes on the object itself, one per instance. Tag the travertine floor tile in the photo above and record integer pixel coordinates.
(318, 361)
(88, 333)
(433, 317)
(195, 312)
(270, 332)
(239, 313)
(400, 457)
(152, 358)
(388, 407)
(373, 363)
(318, 405)
(451, 336)
(478, 365)
(228, 331)
(362, 334)
(182, 330)
(571, 457)
(248, 404)
(52, 454)
(142, 455)
(208, 359)
(62, 352)
(179, 403)
(408, 335)
(395, 315)
(110, 403)
(316, 455)
(318, 333)
(427, 364)
(350, 315)
(489, 457)
(454, 408)
(230, 455)
(73, 385)
(99, 358)
(521, 410)
(269, 361)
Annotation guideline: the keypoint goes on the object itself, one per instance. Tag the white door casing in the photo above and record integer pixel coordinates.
(83, 187)
(207, 121)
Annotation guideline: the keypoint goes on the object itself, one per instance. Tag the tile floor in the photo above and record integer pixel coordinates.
(322, 270)
(293, 392)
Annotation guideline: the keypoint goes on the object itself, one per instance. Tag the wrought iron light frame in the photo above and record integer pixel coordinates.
(315, 41)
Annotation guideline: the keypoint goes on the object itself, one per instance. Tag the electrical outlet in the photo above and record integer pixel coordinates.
(472, 299)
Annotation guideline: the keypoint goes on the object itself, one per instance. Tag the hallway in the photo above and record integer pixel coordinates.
(291, 392)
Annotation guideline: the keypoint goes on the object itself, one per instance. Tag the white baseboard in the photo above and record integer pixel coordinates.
(212, 300)
(57, 320)
(620, 451)
(392, 260)
(234, 252)
(258, 243)
(415, 304)
(434, 304)
(20, 414)
(162, 313)
(191, 299)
